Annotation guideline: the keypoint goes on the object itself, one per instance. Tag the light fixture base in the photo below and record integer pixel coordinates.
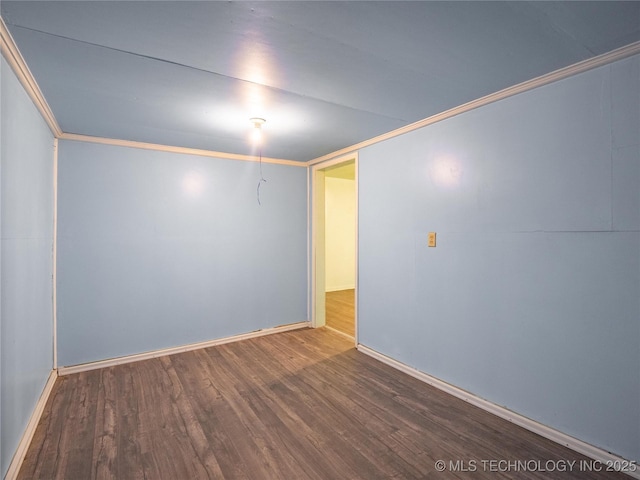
(257, 121)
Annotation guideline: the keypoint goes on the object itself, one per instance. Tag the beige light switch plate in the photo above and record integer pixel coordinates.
(431, 239)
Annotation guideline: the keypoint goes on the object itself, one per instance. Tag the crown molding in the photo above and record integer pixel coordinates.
(571, 70)
(181, 150)
(16, 61)
(13, 56)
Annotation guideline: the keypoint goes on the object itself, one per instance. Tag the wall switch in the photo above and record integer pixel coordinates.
(431, 239)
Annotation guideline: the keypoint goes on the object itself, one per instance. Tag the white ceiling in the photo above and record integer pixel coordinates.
(325, 75)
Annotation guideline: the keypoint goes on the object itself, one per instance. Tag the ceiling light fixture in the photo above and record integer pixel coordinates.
(256, 135)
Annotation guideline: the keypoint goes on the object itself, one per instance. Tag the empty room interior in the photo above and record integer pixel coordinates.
(320, 240)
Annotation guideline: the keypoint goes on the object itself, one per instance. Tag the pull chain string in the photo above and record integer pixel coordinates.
(262, 179)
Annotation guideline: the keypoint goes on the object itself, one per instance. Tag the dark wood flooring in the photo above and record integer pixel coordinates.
(340, 312)
(297, 405)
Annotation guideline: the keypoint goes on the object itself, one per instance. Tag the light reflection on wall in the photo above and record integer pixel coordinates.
(446, 171)
(193, 184)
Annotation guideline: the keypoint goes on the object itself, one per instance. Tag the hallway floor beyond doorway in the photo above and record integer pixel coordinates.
(340, 311)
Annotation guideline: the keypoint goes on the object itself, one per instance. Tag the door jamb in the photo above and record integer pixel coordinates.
(317, 244)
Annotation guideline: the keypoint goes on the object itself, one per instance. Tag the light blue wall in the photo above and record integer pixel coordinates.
(26, 259)
(145, 263)
(531, 298)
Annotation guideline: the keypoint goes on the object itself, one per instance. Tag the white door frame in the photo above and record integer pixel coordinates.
(317, 241)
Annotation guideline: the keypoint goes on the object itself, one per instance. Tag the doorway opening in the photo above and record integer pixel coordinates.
(334, 246)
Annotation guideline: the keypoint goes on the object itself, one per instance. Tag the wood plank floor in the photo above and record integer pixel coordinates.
(297, 405)
(340, 311)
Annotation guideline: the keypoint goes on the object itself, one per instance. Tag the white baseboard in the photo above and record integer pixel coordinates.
(346, 335)
(85, 367)
(604, 457)
(27, 436)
